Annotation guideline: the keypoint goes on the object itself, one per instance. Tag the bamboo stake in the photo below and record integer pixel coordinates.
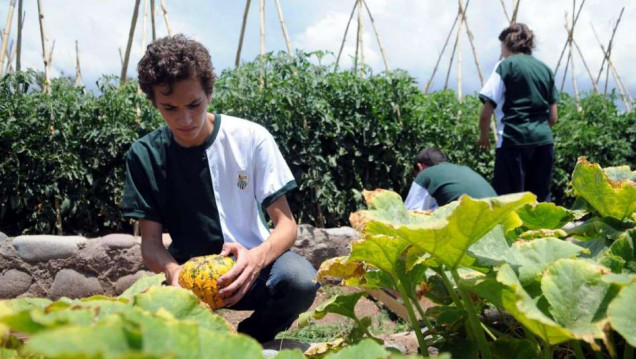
(46, 55)
(143, 29)
(10, 55)
(282, 25)
(166, 19)
(576, 18)
(609, 47)
(575, 86)
(459, 53)
(5, 33)
(471, 39)
(439, 58)
(515, 12)
(565, 73)
(355, 59)
(131, 34)
(450, 65)
(377, 36)
(262, 25)
(505, 11)
(262, 31)
(361, 37)
(344, 37)
(240, 45)
(153, 13)
(589, 72)
(18, 56)
(78, 71)
(617, 78)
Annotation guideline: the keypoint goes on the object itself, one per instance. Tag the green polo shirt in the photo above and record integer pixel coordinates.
(522, 89)
(443, 183)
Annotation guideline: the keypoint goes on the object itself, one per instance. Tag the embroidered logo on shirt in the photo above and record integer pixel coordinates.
(242, 180)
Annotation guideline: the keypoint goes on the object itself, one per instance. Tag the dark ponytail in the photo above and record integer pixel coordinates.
(518, 38)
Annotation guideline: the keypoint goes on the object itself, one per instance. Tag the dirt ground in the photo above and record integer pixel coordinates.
(386, 326)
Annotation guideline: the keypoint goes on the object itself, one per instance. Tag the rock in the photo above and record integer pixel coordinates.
(118, 241)
(93, 257)
(71, 284)
(42, 248)
(2, 236)
(319, 244)
(13, 283)
(125, 282)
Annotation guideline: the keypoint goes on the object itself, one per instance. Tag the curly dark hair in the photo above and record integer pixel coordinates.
(175, 58)
(518, 38)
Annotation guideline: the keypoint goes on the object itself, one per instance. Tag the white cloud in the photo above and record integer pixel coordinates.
(412, 32)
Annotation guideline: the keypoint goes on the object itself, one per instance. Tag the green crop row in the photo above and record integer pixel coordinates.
(62, 155)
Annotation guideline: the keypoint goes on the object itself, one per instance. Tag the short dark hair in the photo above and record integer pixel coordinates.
(518, 38)
(430, 156)
(172, 59)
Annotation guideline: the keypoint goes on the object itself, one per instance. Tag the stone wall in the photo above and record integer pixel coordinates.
(74, 267)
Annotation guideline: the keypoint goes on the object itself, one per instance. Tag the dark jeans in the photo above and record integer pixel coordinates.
(282, 291)
(520, 169)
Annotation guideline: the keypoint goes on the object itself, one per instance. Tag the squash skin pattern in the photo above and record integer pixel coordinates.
(201, 274)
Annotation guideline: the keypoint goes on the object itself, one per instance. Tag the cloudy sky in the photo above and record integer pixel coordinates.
(412, 31)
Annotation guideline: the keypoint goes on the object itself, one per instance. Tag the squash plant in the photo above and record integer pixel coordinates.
(505, 255)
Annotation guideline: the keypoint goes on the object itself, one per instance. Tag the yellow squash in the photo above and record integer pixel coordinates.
(201, 275)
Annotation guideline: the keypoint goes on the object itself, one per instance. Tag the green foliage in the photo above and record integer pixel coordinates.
(545, 283)
(62, 155)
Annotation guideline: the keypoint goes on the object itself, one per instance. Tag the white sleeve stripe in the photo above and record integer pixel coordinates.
(419, 198)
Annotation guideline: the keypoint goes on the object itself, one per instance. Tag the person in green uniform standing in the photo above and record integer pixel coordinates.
(522, 95)
(206, 178)
(438, 182)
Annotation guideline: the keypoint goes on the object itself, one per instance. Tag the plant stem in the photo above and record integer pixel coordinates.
(449, 287)
(490, 334)
(474, 322)
(414, 321)
(578, 351)
(628, 352)
(547, 351)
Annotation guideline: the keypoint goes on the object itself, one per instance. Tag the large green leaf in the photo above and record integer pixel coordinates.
(446, 235)
(622, 315)
(382, 252)
(624, 248)
(142, 284)
(507, 347)
(226, 345)
(5, 310)
(612, 192)
(576, 292)
(181, 303)
(343, 304)
(546, 215)
(106, 339)
(516, 301)
(37, 320)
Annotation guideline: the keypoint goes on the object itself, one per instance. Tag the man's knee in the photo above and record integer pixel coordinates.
(293, 276)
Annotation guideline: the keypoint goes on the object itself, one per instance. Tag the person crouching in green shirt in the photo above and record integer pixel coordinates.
(438, 182)
(205, 178)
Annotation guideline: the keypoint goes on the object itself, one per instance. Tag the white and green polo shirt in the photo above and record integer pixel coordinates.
(443, 183)
(522, 89)
(209, 194)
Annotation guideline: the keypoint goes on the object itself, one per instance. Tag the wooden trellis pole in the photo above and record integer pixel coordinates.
(503, 5)
(166, 19)
(153, 13)
(587, 68)
(608, 53)
(450, 64)
(439, 58)
(625, 95)
(240, 44)
(344, 37)
(471, 40)
(567, 40)
(377, 36)
(10, 55)
(513, 19)
(131, 34)
(18, 47)
(360, 47)
(143, 29)
(262, 40)
(5, 33)
(283, 27)
(459, 52)
(78, 71)
(46, 53)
